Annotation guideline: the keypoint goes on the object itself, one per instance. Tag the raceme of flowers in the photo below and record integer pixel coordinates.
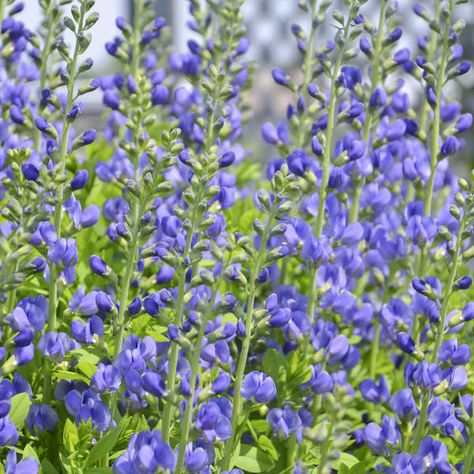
(170, 305)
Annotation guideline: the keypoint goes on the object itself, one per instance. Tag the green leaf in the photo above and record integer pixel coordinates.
(87, 369)
(359, 468)
(345, 459)
(260, 426)
(85, 355)
(70, 436)
(20, 406)
(266, 445)
(66, 375)
(106, 444)
(29, 452)
(47, 467)
(99, 470)
(274, 365)
(252, 460)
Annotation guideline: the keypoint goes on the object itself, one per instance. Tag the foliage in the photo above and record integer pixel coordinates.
(168, 307)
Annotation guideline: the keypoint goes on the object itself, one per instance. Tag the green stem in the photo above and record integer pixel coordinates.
(374, 351)
(325, 177)
(291, 454)
(375, 80)
(44, 65)
(325, 449)
(440, 334)
(237, 408)
(188, 412)
(430, 53)
(467, 467)
(428, 201)
(307, 73)
(54, 271)
(168, 410)
(137, 14)
(328, 147)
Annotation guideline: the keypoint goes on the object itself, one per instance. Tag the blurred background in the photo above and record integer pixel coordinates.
(272, 44)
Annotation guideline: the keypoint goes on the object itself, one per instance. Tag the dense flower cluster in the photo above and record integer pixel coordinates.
(166, 309)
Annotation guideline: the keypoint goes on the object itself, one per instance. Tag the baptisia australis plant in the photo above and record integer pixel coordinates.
(166, 310)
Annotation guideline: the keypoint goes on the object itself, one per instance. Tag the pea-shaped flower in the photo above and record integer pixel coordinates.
(41, 418)
(56, 344)
(258, 386)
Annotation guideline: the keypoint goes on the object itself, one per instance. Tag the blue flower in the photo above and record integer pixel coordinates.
(27, 465)
(80, 180)
(285, 422)
(195, 460)
(403, 404)
(404, 462)
(373, 392)
(258, 386)
(63, 252)
(55, 345)
(435, 455)
(87, 332)
(146, 452)
(8, 432)
(213, 420)
(41, 418)
(88, 406)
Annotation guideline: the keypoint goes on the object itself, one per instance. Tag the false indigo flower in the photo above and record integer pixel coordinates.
(403, 404)
(55, 345)
(285, 422)
(8, 432)
(88, 406)
(213, 420)
(259, 386)
(41, 418)
(27, 465)
(147, 450)
(375, 393)
(80, 180)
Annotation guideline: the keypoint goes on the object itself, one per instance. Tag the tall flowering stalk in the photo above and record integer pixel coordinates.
(219, 54)
(80, 22)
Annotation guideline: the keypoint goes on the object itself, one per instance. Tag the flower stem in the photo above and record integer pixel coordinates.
(467, 467)
(325, 449)
(440, 334)
(436, 124)
(174, 350)
(325, 177)
(168, 410)
(44, 65)
(188, 412)
(58, 210)
(375, 80)
(307, 73)
(374, 351)
(431, 49)
(237, 408)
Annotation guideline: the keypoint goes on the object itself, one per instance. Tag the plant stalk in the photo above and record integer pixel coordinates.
(375, 80)
(440, 335)
(237, 408)
(54, 271)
